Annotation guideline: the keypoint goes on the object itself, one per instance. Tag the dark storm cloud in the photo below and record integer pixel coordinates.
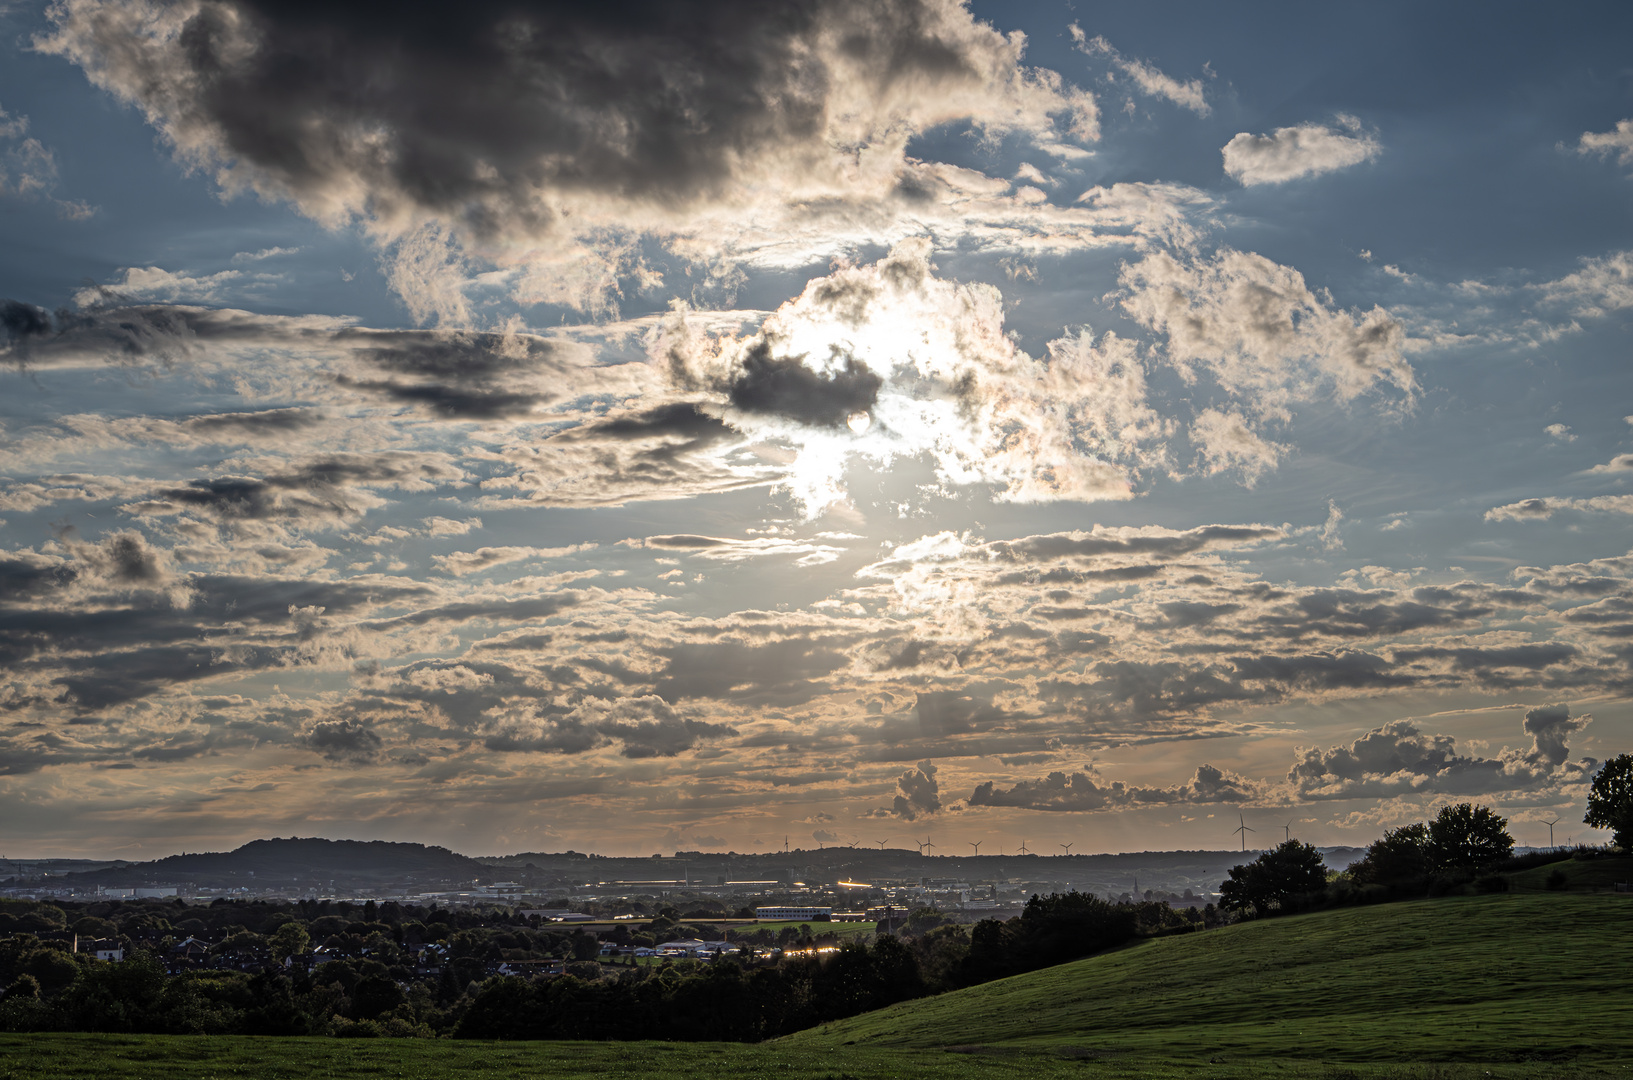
(1608, 616)
(1182, 614)
(1395, 748)
(1354, 613)
(453, 375)
(173, 750)
(516, 710)
(346, 739)
(681, 419)
(785, 386)
(1159, 545)
(649, 727)
(114, 624)
(1079, 791)
(668, 451)
(23, 578)
(490, 117)
(1345, 670)
(109, 679)
(463, 375)
(454, 402)
(498, 610)
(320, 492)
(120, 331)
(460, 357)
(948, 712)
(1550, 726)
(1398, 758)
(1533, 657)
(222, 426)
(786, 672)
(23, 323)
(920, 794)
(1140, 690)
(687, 542)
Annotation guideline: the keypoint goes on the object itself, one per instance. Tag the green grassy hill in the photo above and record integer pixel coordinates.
(1493, 978)
(1599, 875)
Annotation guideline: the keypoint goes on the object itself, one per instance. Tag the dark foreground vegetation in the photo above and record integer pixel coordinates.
(1521, 986)
(377, 976)
(728, 1001)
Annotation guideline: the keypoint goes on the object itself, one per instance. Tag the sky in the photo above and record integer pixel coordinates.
(642, 426)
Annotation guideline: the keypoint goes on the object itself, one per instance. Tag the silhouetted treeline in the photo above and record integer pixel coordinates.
(730, 1002)
(49, 988)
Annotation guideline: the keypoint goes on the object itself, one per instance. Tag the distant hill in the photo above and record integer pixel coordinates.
(298, 860)
(354, 864)
(1492, 978)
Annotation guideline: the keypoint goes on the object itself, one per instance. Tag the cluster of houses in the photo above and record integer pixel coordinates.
(426, 961)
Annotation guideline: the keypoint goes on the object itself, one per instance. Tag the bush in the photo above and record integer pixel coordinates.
(1555, 881)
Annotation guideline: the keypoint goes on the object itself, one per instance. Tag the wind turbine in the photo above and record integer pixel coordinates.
(1551, 825)
(1067, 848)
(882, 843)
(976, 844)
(1244, 830)
(1024, 850)
(1287, 830)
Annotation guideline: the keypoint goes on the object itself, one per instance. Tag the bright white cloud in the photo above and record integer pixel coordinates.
(1260, 331)
(1225, 441)
(152, 283)
(1146, 76)
(1544, 508)
(1618, 141)
(1293, 152)
(1603, 285)
(929, 365)
(1619, 464)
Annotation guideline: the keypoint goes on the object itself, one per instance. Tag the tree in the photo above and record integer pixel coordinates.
(1468, 837)
(290, 939)
(1266, 884)
(1399, 855)
(1610, 800)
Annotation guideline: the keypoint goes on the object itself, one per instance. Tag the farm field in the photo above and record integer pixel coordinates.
(175, 1057)
(1503, 978)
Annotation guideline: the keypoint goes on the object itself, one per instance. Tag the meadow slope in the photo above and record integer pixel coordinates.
(1493, 978)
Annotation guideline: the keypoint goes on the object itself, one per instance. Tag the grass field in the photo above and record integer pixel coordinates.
(157, 1057)
(1503, 978)
(1586, 875)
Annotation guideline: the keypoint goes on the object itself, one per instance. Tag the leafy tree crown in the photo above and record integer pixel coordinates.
(1610, 800)
(1468, 837)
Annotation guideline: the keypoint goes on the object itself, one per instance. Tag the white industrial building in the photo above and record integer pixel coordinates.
(794, 914)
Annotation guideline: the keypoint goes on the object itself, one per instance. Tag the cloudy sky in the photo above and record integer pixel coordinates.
(651, 425)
